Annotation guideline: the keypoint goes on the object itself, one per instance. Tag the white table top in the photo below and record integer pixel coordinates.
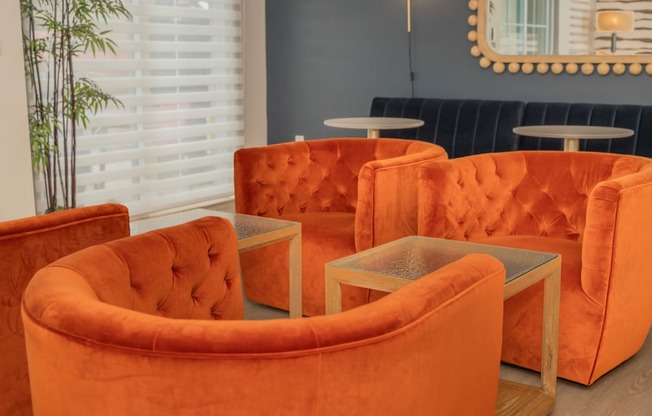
(380, 123)
(567, 131)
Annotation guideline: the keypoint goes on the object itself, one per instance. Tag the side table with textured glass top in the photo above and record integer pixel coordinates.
(391, 266)
(252, 232)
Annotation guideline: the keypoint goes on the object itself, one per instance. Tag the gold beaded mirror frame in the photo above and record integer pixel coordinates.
(587, 64)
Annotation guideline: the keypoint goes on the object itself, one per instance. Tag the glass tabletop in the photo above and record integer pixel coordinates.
(414, 257)
(246, 226)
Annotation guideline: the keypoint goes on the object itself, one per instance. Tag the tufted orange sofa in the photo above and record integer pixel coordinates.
(26, 245)
(129, 328)
(348, 194)
(593, 209)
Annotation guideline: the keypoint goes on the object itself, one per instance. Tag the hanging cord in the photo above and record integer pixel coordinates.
(409, 30)
(410, 62)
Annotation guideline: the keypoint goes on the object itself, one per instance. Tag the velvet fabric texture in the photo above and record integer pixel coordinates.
(133, 327)
(590, 208)
(348, 194)
(467, 127)
(26, 245)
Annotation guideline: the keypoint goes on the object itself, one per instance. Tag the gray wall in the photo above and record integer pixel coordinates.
(329, 58)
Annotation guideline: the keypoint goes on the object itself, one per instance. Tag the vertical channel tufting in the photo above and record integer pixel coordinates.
(430, 111)
(412, 110)
(637, 131)
(474, 135)
(494, 136)
(439, 104)
(446, 125)
(644, 134)
(482, 126)
(462, 127)
(456, 126)
(628, 116)
(418, 132)
(466, 128)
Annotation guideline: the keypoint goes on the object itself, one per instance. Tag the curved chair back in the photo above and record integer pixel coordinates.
(106, 337)
(312, 176)
(26, 245)
(517, 193)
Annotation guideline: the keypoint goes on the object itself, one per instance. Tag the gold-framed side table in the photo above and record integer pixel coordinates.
(252, 232)
(391, 266)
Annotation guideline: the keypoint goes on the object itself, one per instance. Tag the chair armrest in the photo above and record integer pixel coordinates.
(615, 244)
(387, 198)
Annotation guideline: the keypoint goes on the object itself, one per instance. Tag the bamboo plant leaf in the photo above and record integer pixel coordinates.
(55, 32)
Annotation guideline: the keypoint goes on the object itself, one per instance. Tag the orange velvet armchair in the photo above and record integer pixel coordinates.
(148, 325)
(593, 209)
(348, 194)
(26, 245)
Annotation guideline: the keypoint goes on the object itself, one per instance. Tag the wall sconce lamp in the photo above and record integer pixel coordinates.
(613, 21)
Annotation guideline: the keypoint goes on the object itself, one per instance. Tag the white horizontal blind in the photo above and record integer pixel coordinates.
(575, 34)
(179, 74)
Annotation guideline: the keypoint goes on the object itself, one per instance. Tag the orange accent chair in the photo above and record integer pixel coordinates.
(348, 194)
(26, 245)
(131, 327)
(593, 209)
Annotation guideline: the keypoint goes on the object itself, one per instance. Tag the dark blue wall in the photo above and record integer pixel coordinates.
(329, 58)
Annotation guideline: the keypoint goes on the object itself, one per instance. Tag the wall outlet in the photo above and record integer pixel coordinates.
(298, 138)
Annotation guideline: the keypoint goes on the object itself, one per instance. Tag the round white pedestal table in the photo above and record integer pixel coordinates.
(373, 125)
(572, 134)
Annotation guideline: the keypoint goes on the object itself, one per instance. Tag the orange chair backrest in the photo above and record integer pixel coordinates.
(26, 245)
(310, 176)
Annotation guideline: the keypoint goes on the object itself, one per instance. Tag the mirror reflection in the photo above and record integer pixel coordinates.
(569, 27)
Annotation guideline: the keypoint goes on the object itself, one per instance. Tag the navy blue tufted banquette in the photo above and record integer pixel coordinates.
(466, 127)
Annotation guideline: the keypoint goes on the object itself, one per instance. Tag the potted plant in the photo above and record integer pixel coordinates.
(55, 32)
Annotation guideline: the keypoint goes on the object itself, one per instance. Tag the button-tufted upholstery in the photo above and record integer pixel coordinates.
(196, 269)
(348, 194)
(26, 245)
(589, 207)
(110, 331)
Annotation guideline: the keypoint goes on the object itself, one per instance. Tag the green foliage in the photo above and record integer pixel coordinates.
(55, 32)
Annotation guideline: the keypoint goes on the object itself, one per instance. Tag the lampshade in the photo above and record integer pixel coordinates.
(614, 21)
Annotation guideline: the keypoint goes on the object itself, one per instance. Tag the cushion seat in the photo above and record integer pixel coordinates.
(327, 236)
(522, 324)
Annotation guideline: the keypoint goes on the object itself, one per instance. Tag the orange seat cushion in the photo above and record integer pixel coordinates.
(326, 236)
(522, 325)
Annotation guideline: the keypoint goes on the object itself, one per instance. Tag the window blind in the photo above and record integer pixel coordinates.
(179, 73)
(576, 20)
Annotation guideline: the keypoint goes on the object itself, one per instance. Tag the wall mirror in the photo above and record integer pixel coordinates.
(584, 36)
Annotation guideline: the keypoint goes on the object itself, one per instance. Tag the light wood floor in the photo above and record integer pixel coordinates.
(625, 391)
